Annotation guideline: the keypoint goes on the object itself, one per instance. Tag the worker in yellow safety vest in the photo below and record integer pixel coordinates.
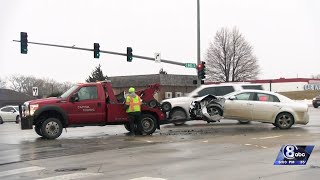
(133, 108)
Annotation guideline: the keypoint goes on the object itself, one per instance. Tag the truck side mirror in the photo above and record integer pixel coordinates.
(74, 98)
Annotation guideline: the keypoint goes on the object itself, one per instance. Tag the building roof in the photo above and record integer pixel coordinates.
(280, 80)
(284, 80)
(144, 80)
(11, 95)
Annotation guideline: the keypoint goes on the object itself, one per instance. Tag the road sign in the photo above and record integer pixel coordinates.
(157, 57)
(35, 91)
(190, 65)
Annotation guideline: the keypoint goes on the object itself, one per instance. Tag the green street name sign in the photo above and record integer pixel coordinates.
(190, 65)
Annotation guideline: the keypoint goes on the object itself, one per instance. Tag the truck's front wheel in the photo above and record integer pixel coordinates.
(37, 129)
(51, 128)
(148, 123)
(127, 126)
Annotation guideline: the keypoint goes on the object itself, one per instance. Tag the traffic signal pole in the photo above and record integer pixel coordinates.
(107, 52)
(198, 39)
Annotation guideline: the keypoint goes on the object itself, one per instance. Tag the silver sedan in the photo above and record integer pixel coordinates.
(265, 106)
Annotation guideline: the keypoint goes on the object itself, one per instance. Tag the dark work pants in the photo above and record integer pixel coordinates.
(134, 119)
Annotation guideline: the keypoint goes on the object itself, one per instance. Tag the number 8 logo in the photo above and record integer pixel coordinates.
(288, 151)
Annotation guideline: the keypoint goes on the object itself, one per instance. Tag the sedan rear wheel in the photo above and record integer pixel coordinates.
(1, 120)
(243, 122)
(284, 120)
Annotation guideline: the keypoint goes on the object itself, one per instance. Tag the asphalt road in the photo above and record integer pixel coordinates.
(225, 150)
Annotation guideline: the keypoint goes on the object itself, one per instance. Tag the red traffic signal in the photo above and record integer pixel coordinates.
(201, 70)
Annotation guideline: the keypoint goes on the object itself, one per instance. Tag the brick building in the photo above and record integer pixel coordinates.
(170, 85)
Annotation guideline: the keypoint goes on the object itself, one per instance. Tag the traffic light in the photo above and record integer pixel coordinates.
(96, 50)
(129, 54)
(202, 70)
(24, 42)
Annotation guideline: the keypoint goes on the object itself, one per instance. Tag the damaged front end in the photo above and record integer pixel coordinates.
(208, 108)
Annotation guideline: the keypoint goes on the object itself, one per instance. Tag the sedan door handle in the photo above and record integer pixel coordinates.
(249, 104)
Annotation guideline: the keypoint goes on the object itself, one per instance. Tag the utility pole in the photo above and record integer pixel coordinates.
(198, 39)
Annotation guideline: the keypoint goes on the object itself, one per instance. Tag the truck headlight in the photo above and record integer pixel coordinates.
(33, 108)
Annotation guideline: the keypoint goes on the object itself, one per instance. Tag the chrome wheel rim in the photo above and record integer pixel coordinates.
(285, 120)
(147, 124)
(52, 128)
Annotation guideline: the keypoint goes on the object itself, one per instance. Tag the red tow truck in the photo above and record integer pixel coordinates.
(88, 104)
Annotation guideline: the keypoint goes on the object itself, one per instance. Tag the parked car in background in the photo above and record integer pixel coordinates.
(316, 101)
(9, 113)
(181, 105)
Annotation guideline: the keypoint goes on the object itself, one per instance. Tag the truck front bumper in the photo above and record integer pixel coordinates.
(26, 122)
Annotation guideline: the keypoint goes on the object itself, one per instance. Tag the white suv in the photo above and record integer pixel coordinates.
(181, 105)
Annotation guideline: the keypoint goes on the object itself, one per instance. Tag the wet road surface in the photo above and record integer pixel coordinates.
(225, 150)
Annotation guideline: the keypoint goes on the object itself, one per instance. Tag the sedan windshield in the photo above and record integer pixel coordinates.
(67, 93)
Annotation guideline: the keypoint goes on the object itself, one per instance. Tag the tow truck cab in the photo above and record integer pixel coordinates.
(87, 104)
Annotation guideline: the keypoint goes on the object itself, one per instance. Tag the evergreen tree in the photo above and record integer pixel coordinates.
(97, 75)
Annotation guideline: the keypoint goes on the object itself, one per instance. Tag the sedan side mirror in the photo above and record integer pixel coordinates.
(232, 97)
(13, 111)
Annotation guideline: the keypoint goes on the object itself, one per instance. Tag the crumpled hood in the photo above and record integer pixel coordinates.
(179, 99)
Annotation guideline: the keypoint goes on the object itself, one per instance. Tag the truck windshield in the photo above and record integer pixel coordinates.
(67, 93)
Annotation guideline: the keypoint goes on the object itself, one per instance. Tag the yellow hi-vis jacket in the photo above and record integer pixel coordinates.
(134, 104)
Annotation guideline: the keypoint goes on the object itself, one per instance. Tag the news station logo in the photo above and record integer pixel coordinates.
(294, 155)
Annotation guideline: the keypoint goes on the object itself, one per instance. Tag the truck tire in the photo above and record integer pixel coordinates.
(51, 128)
(153, 103)
(37, 129)
(148, 123)
(127, 126)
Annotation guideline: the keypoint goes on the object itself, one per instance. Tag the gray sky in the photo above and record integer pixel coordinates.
(285, 35)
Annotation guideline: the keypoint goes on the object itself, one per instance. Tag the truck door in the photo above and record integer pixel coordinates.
(116, 113)
(88, 107)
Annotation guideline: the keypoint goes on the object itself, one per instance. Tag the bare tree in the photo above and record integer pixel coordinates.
(230, 58)
(46, 87)
(2, 83)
